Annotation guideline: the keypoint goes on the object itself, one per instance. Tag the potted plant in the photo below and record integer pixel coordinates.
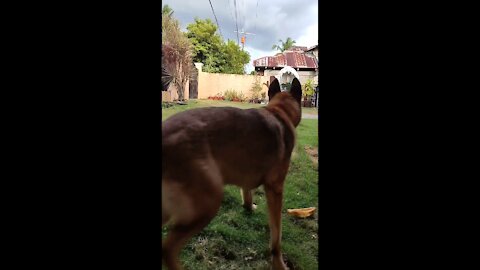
(308, 91)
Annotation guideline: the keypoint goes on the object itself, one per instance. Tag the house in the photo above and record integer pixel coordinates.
(313, 51)
(298, 61)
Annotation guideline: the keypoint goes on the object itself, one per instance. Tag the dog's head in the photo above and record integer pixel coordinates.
(287, 102)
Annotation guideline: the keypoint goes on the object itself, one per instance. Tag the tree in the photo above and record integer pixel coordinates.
(256, 88)
(284, 45)
(210, 49)
(234, 57)
(167, 11)
(176, 52)
(206, 44)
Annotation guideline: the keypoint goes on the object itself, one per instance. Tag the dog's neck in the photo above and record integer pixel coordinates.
(288, 111)
(285, 107)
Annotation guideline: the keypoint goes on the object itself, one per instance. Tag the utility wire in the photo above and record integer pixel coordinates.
(244, 14)
(215, 18)
(236, 24)
(256, 15)
(229, 7)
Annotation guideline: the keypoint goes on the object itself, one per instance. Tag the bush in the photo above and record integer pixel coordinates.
(256, 89)
(308, 88)
(166, 104)
(232, 95)
(286, 86)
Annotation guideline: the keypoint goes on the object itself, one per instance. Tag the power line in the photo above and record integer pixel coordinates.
(229, 7)
(236, 24)
(244, 14)
(256, 13)
(241, 17)
(215, 18)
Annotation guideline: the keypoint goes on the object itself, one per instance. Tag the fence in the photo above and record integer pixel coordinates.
(210, 84)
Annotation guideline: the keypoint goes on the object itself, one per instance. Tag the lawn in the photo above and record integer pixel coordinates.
(217, 103)
(236, 239)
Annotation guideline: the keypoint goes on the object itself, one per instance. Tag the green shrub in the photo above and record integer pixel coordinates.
(286, 86)
(308, 88)
(232, 95)
(256, 89)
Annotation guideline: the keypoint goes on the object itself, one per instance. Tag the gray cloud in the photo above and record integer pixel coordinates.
(275, 19)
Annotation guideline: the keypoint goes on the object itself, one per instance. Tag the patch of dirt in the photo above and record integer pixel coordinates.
(312, 154)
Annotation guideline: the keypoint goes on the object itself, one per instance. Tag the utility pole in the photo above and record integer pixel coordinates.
(243, 36)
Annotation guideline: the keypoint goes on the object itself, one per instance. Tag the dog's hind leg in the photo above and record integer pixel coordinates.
(247, 198)
(177, 237)
(192, 206)
(181, 232)
(274, 194)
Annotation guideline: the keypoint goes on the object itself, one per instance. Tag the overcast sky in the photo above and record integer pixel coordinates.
(270, 21)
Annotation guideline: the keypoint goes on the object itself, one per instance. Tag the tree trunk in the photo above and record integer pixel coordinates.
(181, 91)
(180, 81)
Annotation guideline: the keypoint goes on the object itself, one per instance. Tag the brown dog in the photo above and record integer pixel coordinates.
(205, 149)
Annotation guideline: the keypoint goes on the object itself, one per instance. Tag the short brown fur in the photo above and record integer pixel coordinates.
(205, 149)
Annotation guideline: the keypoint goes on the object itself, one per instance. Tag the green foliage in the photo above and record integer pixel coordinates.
(252, 72)
(210, 49)
(256, 89)
(167, 10)
(287, 86)
(166, 104)
(205, 41)
(284, 45)
(212, 64)
(232, 95)
(234, 58)
(176, 46)
(308, 88)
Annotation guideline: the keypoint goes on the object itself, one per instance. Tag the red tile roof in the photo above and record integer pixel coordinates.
(312, 48)
(293, 59)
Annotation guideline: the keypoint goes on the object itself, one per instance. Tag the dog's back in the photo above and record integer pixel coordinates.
(243, 143)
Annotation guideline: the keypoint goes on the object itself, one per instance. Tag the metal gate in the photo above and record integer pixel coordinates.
(193, 84)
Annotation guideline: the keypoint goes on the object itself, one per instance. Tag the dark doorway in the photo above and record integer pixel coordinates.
(193, 84)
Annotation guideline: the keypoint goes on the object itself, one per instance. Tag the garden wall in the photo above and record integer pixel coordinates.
(210, 84)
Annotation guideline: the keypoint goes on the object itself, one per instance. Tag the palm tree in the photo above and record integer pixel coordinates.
(167, 11)
(285, 45)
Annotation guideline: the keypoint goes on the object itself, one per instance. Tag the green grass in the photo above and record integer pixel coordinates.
(310, 110)
(237, 239)
(200, 103)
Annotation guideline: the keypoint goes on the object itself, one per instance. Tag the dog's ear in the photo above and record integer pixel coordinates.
(296, 90)
(273, 89)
